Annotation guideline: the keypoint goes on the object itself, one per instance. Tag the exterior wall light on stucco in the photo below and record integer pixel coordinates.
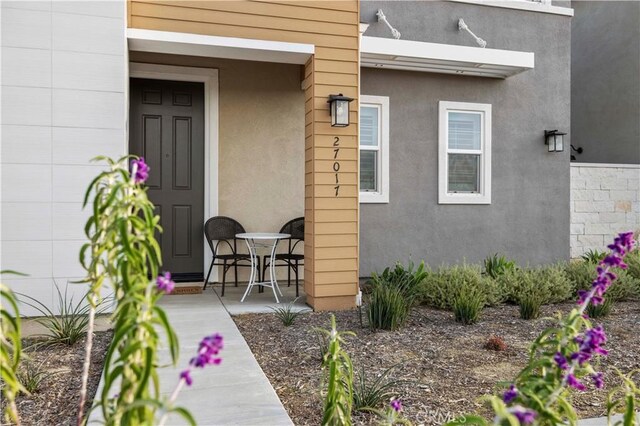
(339, 109)
(554, 140)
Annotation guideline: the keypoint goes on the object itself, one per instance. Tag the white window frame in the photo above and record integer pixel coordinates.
(484, 196)
(382, 195)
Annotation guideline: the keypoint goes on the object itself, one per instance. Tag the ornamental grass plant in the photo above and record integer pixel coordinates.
(497, 265)
(70, 324)
(468, 305)
(392, 296)
(370, 392)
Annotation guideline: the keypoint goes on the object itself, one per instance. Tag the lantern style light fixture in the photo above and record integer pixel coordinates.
(554, 140)
(339, 109)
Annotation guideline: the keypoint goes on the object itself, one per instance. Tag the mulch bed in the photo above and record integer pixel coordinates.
(56, 402)
(445, 364)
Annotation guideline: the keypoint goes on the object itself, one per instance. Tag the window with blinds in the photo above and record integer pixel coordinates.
(374, 149)
(464, 153)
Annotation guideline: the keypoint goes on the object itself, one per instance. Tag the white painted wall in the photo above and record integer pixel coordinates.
(605, 200)
(63, 102)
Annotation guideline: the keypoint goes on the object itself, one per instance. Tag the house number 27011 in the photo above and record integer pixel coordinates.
(336, 163)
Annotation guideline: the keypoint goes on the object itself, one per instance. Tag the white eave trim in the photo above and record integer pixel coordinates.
(385, 53)
(528, 5)
(218, 47)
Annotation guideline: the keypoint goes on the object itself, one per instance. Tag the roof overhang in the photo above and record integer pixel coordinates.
(218, 47)
(376, 52)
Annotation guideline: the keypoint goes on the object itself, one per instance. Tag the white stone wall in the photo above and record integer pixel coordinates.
(605, 199)
(63, 78)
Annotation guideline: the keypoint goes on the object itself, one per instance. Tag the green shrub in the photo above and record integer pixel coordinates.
(593, 256)
(287, 313)
(582, 274)
(393, 294)
(497, 265)
(468, 304)
(370, 393)
(442, 288)
(548, 284)
(632, 260)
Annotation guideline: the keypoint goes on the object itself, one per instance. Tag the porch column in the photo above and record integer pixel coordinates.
(331, 185)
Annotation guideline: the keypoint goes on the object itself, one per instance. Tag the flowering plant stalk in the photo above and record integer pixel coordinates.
(123, 252)
(560, 358)
(338, 401)
(10, 351)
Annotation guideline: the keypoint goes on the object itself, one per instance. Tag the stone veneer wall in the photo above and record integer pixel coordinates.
(605, 199)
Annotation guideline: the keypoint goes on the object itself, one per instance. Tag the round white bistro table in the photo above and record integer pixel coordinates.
(262, 239)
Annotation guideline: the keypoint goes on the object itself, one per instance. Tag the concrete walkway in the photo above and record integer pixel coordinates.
(235, 393)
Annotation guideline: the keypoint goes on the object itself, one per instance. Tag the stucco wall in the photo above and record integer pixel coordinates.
(605, 76)
(261, 140)
(605, 200)
(528, 218)
(63, 102)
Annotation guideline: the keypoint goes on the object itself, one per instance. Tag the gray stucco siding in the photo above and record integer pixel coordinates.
(528, 218)
(605, 72)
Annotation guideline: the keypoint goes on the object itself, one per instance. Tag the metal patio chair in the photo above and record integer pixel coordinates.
(222, 229)
(290, 259)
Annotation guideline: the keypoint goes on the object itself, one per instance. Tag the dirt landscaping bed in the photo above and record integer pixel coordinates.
(444, 364)
(56, 401)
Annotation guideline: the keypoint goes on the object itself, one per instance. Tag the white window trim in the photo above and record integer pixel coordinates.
(381, 196)
(444, 197)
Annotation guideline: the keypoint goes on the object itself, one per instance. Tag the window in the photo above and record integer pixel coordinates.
(374, 149)
(464, 153)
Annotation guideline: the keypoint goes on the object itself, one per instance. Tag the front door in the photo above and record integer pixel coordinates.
(166, 127)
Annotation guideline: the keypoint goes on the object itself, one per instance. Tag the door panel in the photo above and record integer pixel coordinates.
(166, 127)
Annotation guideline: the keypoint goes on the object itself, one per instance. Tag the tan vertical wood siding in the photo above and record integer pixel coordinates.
(331, 241)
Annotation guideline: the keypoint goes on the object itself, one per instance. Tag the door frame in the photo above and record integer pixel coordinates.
(208, 76)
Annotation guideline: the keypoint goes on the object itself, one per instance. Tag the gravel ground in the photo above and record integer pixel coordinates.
(445, 364)
(56, 402)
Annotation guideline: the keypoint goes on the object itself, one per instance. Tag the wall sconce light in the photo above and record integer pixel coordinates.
(339, 109)
(554, 140)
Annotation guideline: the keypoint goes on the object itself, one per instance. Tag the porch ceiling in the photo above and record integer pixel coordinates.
(218, 47)
(376, 52)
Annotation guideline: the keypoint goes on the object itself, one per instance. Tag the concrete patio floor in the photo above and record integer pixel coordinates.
(258, 302)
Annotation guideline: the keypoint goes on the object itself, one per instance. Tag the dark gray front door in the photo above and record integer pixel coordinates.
(166, 127)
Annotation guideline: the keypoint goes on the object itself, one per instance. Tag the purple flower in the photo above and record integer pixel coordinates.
(598, 379)
(164, 282)
(510, 394)
(524, 416)
(590, 344)
(186, 376)
(622, 244)
(562, 362)
(141, 170)
(396, 404)
(208, 351)
(575, 383)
